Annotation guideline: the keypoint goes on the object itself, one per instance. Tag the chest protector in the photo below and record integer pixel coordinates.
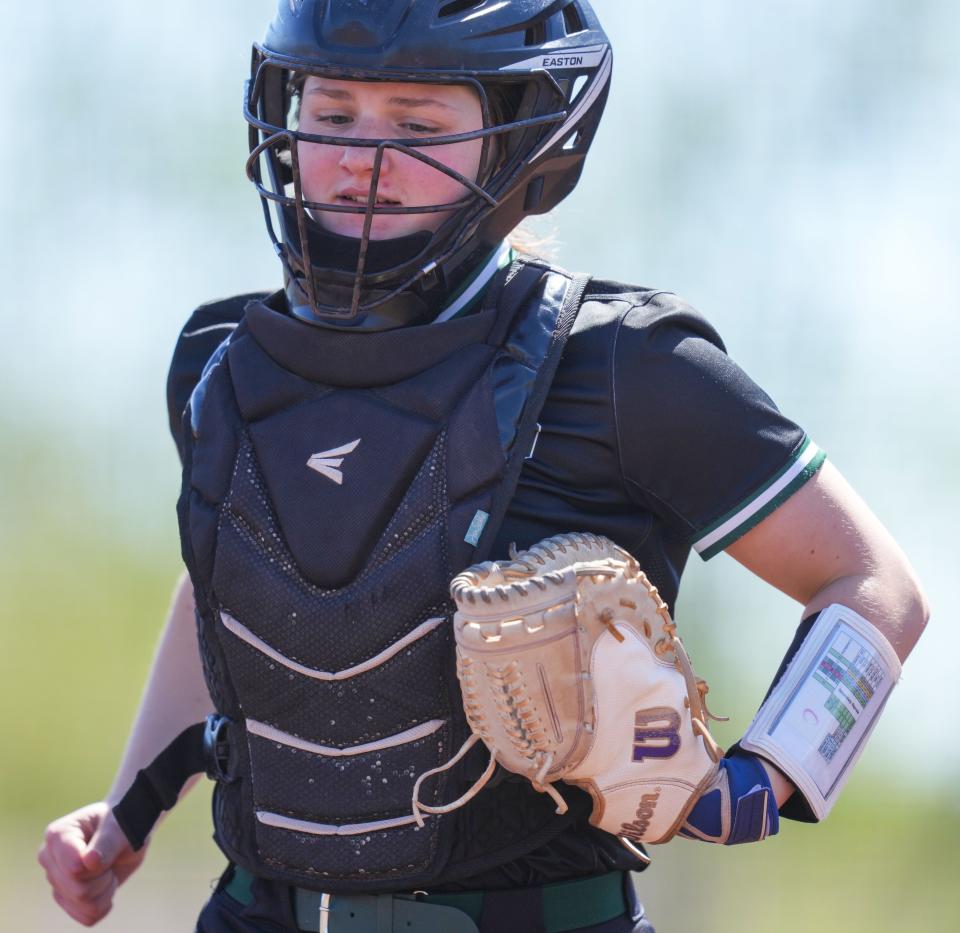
(334, 483)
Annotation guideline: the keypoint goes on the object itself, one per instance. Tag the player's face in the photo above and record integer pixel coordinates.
(374, 110)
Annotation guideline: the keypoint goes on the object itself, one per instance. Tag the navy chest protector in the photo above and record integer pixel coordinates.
(333, 485)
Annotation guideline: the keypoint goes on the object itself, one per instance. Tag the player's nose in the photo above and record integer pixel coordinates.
(359, 158)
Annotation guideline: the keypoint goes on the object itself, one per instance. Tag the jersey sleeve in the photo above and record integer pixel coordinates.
(204, 331)
(700, 443)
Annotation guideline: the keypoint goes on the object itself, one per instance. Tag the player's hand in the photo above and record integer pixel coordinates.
(86, 857)
(739, 806)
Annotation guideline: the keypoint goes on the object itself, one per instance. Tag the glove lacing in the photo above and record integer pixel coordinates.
(526, 735)
(420, 808)
(696, 687)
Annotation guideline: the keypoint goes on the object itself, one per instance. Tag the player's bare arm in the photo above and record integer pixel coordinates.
(826, 549)
(824, 546)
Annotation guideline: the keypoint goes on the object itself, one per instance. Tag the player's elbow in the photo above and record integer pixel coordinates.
(889, 594)
(917, 608)
(908, 604)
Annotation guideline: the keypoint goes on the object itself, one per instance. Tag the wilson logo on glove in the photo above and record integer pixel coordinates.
(641, 824)
(644, 736)
(567, 656)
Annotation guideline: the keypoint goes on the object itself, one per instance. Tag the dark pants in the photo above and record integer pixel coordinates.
(272, 912)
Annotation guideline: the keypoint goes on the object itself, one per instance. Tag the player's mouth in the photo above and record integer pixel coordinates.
(364, 199)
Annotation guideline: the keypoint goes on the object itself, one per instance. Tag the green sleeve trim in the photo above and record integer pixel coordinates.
(761, 503)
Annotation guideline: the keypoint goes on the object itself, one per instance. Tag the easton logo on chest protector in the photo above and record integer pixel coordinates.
(327, 461)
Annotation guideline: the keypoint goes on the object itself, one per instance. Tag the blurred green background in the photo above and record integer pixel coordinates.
(791, 169)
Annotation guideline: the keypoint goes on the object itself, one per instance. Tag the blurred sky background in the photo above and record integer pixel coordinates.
(790, 169)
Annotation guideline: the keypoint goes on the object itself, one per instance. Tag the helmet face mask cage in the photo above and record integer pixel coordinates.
(526, 114)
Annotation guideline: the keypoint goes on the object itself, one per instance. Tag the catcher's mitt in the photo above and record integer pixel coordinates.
(571, 670)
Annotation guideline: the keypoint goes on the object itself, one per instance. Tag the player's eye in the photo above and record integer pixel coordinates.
(332, 119)
(423, 129)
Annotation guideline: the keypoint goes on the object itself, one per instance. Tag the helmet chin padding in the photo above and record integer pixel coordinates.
(541, 70)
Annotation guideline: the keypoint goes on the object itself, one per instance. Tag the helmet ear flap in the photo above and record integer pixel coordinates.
(276, 91)
(274, 94)
(509, 103)
(526, 104)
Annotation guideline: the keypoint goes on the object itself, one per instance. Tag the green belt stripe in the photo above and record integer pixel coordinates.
(574, 904)
(567, 905)
(470, 902)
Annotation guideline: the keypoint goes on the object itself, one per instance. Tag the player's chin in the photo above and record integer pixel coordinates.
(382, 227)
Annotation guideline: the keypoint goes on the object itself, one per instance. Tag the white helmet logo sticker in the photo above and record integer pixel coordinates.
(589, 56)
(327, 461)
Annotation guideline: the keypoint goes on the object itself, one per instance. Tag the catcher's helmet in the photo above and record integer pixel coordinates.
(548, 61)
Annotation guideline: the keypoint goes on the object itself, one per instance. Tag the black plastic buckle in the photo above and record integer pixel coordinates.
(216, 748)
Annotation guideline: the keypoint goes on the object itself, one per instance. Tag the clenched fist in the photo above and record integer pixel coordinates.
(86, 857)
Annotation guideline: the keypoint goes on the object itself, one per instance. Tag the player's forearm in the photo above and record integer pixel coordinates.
(783, 787)
(891, 599)
(175, 696)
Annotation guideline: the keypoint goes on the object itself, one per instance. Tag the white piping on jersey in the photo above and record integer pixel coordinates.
(495, 262)
(206, 330)
(390, 741)
(807, 454)
(244, 634)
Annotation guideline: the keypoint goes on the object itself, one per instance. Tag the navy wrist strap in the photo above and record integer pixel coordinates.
(157, 787)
